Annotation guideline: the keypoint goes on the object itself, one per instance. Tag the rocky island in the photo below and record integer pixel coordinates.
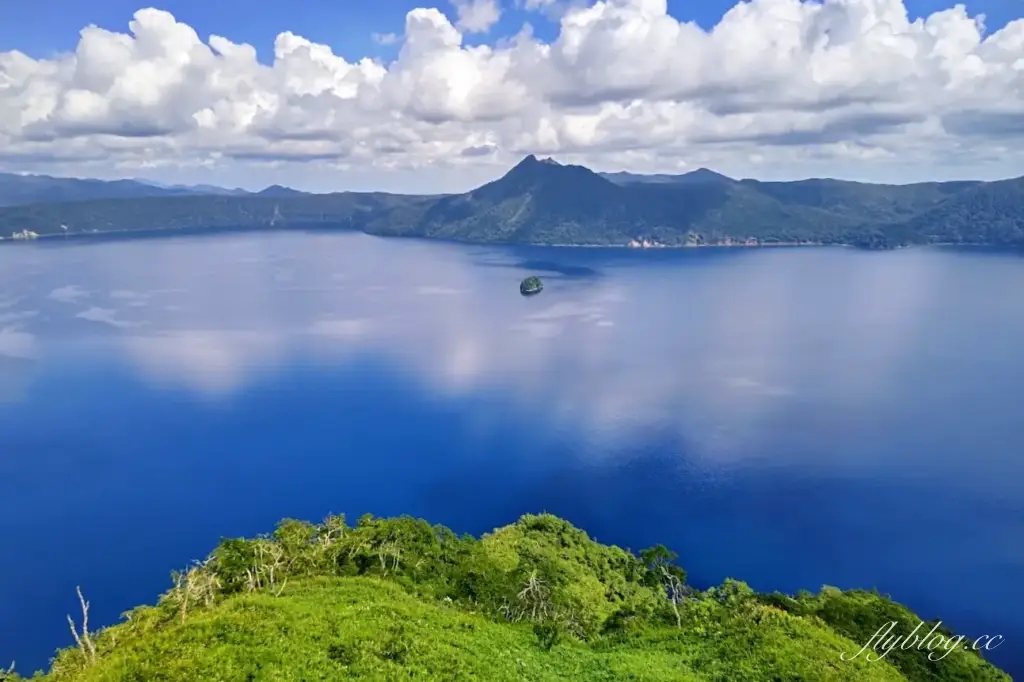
(531, 286)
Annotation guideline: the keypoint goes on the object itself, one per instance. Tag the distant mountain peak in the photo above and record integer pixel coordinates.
(532, 160)
(532, 170)
(703, 174)
(533, 175)
(279, 191)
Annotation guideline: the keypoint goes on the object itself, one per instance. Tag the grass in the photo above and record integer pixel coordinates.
(399, 599)
(372, 629)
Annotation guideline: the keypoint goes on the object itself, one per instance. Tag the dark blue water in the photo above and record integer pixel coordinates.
(791, 417)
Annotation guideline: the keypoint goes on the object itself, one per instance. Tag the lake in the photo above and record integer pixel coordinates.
(788, 417)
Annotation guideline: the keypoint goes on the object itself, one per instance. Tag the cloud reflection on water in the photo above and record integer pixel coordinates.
(15, 343)
(18, 351)
(723, 356)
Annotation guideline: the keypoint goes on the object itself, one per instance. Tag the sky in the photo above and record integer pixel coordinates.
(445, 95)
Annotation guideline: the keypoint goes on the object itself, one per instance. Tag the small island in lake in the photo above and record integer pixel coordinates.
(531, 286)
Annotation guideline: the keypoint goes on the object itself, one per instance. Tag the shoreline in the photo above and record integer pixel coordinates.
(99, 236)
(661, 247)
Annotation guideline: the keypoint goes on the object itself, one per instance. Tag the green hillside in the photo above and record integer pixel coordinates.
(399, 599)
(543, 202)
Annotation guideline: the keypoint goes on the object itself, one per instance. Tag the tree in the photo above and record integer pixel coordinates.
(662, 572)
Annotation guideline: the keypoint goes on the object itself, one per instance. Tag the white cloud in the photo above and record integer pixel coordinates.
(477, 16)
(842, 87)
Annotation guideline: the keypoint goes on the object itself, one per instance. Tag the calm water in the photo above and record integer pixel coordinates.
(789, 417)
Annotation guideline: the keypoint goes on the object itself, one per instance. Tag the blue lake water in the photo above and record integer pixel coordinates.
(790, 417)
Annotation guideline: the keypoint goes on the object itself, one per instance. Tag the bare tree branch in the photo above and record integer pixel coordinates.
(251, 580)
(534, 596)
(333, 528)
(83, 640)
(674, 587)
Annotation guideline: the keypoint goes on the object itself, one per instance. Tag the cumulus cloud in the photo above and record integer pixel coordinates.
(477, 16)
(851, 86)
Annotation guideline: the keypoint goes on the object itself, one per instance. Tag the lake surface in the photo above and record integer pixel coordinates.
(789, 417)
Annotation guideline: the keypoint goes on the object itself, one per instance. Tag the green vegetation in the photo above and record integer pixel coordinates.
(397, 598)
(530, 285)
(542, 202)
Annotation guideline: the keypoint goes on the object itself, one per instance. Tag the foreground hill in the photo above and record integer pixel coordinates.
(543, 202)
(393, 599)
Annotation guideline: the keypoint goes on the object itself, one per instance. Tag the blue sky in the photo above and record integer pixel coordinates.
(42, 27)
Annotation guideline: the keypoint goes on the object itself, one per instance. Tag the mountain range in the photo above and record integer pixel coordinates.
(540, 201)
(19, 189)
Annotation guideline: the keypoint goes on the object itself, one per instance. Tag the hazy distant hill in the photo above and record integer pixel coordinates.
(543, 202)
(699, 175)
(18, 189)
(198, 189)
(279, 191)
(26, 189)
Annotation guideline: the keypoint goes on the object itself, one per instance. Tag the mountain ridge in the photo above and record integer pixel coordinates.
(541, 201)
(18, 189)
(698, 175)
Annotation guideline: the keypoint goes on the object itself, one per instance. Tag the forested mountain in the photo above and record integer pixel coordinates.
(17, 189)
(27, 189)
(543, 202)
